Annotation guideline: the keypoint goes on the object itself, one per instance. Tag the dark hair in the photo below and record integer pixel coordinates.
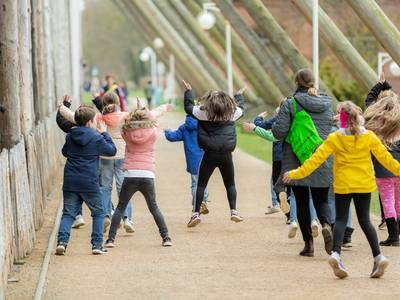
(84, 114)
(110, 102)
(219, 106)
(305, 78)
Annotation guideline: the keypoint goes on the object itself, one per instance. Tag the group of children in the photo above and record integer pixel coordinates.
(126, 147)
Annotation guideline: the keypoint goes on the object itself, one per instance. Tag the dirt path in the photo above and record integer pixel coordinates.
(218, 259)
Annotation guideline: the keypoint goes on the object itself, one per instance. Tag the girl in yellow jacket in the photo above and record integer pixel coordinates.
(351, 147)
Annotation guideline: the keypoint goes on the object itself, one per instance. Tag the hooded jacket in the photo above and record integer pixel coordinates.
(321, 113)
(187, 133)
(82, 148)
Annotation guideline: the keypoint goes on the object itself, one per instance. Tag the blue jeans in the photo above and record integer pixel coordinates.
(108, 169)
(72, 204)
(194, 189)
(332, 208)
(293, 208)
(273, 195)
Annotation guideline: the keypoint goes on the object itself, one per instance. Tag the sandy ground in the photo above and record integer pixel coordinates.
(218, 259)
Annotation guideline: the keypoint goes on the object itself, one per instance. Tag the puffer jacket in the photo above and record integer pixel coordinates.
(320, 110)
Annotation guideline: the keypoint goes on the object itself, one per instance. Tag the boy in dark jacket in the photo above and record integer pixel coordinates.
(83, 146)
(187, 133)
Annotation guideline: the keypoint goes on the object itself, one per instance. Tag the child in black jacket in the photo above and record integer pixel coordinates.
(217, 137)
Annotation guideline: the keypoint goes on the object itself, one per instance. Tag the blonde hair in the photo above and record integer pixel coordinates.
(110, 102)
(305, 78)
(383, 118)
(140, 118)
(354, 114)
(386, 93)
(219, 106)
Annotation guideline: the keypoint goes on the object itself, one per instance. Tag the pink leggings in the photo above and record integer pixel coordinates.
(389, 190)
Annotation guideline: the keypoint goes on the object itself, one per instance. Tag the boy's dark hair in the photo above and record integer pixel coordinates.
(84, 114)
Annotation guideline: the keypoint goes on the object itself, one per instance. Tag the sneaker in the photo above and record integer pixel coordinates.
(194, 220)
(107, 223)
(337, 265)
(292, 229)
(167, 242)
(203, 209)
(382, 225)
(128, 226)
(99, 250)
(272, 209)
(235, 216)
(110, 243)
(79, 221)
(380, 265)
(285, 207)
(328, 240)
(314, 228)
(60, 250)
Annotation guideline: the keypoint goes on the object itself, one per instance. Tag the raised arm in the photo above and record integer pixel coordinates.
(98, 103)
(174, 136)
(160, 110)
(188, 98)
(67, 113)
(63, 123)
(265, 124)
(373, 94)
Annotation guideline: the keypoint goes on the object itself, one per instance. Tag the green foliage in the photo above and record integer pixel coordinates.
(342, 88)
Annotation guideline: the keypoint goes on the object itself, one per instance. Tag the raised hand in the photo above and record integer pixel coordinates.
(241, 91)
(263, 114)
(170, 107)
(248, 127)
(382, 78)
(67, 99)
(101, 126)
(139, 104)
(286, 178)
(187, 85)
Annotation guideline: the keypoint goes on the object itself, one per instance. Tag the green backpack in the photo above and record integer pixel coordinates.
(303, 136)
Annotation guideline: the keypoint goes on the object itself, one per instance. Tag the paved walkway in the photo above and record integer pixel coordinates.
(218, 259)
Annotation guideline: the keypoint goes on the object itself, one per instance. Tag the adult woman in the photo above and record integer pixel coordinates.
(318, 106)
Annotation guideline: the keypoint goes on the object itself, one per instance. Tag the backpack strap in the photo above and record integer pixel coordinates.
(294, 106)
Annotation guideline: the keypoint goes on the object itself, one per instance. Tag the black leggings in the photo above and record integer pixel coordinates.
(362, 204)
(222, 161)
(320, 200)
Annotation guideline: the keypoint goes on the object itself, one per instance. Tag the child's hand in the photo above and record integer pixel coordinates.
(101, 126)
(67, 99)
(169, 107)
(248, 127)
(187, 85)
(241, 91)
(286, 178)
(382, 78)
(263, 114)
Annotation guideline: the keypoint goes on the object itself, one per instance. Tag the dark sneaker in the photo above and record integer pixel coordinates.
(337, 266)
(194, 220)
(327, 234)
(60, 250)
(110, 243)
(167, 242)
(99, 250)
(380, 265)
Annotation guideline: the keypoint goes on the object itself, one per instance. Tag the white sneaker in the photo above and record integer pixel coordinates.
(285, 207)
(272, 209)
(79, 221)
(128, 226)
(292, 229)
(107, 222)
(235, 216)
(314, 228)
(194, 220)
(337, 265)
(380, 265)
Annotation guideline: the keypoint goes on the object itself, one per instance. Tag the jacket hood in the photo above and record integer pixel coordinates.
(190, 123)
(139, 135)
(312, 103)
(82, 135)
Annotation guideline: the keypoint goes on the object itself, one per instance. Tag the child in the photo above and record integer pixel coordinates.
(82, 148)
(382, 118)
(140, 135)
(351, 147)
(187, 133)
(217, 137)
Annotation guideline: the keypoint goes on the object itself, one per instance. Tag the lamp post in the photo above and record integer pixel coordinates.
(315, 43)
(206, 21)
(146, 54)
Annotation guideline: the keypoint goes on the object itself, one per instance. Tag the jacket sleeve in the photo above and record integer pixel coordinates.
(383, 155)
(240, 101)
(106, 145)
(265, 134)
(63, 123)
(320, 155)
(188, 100)
(283, 121)
(67, 113)
(267, 124)
(375, 91)
(174, 136)
(98, 103)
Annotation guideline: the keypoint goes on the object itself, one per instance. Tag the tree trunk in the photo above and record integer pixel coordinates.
(242, 56)
(340, 45)
(10, 123)
(262, 53)
(25, 66)
(278, 37)
(379, 24)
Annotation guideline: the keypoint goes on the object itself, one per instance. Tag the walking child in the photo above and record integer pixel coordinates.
(351, 147)
(83, 147)
(217, 137)
(187, 133)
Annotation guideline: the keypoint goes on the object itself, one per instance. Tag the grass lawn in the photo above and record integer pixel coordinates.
(262, 149)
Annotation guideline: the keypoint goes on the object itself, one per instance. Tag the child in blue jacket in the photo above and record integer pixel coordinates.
(187, 133)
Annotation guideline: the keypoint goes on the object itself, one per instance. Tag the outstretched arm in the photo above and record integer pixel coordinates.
(188, 98)
(63, 123)
(174, 136)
